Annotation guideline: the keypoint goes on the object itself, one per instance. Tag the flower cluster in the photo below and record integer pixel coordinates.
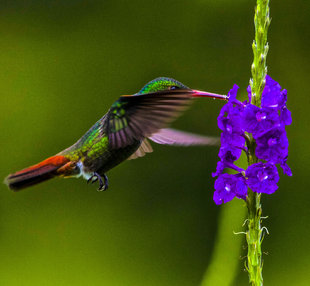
(266, 125)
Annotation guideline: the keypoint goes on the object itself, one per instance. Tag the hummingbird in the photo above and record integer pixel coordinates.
(121, 134)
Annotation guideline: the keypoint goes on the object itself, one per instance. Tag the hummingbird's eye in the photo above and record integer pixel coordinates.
(173, 87)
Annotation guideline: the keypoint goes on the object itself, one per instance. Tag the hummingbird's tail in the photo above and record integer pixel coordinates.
(47, 169)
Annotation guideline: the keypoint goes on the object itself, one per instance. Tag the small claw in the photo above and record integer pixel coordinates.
(96, 177)
(92, 179)
(103, 186)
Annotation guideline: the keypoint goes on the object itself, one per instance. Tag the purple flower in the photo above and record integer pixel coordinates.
(229, 118)
(272, 95)
(232, 139)
(267, 126)
(249, 93)
(275, 98)
(262, 178)
(272, 145)
(230, 122)
(256, 120)
(285, 116)
(286, 169)
(228, 186)
(235, 140)
(232, 95)
(220, 167)
(227, 155)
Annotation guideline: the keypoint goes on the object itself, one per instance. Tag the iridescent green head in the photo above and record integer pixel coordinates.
(160, 84)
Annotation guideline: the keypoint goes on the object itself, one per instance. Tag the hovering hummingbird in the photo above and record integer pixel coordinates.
(122, 133)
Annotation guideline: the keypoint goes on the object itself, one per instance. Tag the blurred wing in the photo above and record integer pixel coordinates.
(179, 138)
(144, 148)
(133, 118)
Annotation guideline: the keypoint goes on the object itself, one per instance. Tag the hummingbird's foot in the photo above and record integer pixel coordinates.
(103, 184)
(93, 178)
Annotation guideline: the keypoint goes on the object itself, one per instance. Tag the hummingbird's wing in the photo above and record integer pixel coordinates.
(170, 136)
(133, 118)
(144, 148)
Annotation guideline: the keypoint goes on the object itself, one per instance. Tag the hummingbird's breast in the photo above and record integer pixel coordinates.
(101, 160)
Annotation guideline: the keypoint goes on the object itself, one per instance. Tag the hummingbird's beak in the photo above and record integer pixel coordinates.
(199, 93)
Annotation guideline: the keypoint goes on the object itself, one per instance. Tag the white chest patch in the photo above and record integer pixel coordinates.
(86, 175)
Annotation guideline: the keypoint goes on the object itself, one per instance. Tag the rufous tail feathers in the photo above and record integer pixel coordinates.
(51, 167)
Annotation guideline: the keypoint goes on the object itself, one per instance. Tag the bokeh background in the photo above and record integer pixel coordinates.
(63, 63)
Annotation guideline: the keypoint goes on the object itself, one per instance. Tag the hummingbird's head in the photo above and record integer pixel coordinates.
(166, 84)
(161, 84)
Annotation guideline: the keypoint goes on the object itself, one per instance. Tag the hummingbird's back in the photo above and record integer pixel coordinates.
(94, 151)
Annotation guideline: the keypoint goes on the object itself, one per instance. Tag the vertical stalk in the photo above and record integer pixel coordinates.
(254, 239)
(260, 49)
(259, 71)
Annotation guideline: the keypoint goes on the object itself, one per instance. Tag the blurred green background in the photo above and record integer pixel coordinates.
(63, 63)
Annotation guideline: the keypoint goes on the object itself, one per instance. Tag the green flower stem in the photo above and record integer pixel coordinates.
(254, 234)
(260, 50)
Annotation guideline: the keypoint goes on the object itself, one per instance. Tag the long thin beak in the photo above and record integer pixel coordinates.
(199, 93)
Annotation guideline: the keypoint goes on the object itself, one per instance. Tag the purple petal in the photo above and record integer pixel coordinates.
(272, 95)
(256, 120)
(286, 169)
(219, 169)
(229, 119)
(228, 186)
(262, 178)
(272, 145)
(229, 154)
(234, 140)
(241, 187)
(249, 93)
(286, 117)
(223, 189)
(232, 94)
